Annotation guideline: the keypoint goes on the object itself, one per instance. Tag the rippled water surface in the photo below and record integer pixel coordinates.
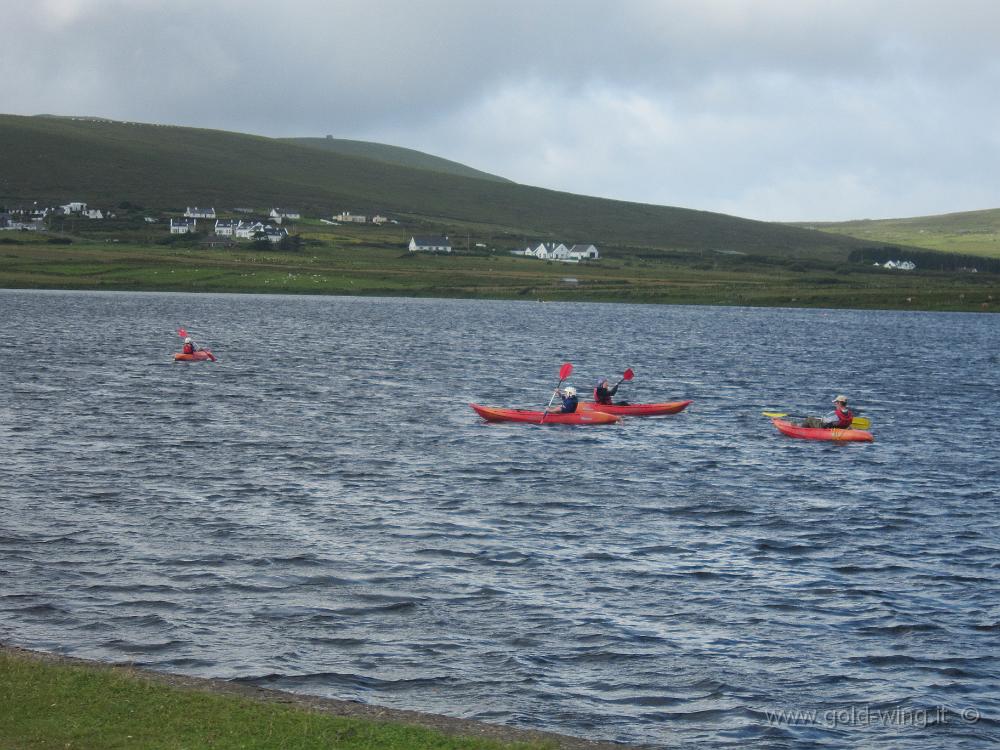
(320, 511)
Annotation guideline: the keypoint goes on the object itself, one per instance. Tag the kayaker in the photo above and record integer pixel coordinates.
(189, 346)
(569, 401)
(840, 418)
(602, 393)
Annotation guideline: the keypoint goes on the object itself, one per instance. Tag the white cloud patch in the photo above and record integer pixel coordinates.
(760, 108)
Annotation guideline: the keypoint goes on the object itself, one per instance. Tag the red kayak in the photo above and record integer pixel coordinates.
(823, 433)
(637, 410)
(199, 356)
(498, 414)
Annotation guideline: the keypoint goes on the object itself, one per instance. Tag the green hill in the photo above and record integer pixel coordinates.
(53, 160)
(403, 157)
(969, 232)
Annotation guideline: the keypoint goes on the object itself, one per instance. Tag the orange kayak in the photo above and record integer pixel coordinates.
(637, 410)
(823, 433)
(199, 356)
(581, 416)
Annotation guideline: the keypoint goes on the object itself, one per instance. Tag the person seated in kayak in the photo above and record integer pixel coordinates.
(602, 393)
(569, 401)
(840, 418)
(189, 346)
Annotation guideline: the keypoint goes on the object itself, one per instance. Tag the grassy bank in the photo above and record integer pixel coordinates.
(49, 703)
(374, 265)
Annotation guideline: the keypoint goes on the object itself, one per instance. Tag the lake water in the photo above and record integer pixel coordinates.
(321, 512)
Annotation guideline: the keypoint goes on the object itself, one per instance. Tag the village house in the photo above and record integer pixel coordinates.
(183, 226)
(193, 212)
(226, 227)
(283, 213)
(245, 230)
(347, 216)
(559, 251)
(74, 207)
(379, 220)
(272, 234)
(93, 213)
(583, 252)
(547, 250)
(430, 244)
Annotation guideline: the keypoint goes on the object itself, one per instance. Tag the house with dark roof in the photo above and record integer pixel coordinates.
(193, 212)
(432, 244)
(183, 226)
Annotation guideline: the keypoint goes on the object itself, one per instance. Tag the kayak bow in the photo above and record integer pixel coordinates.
(581, 416)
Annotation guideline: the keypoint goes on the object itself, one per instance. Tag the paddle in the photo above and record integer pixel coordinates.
(626, 376)
(564, 372)
(858, 423)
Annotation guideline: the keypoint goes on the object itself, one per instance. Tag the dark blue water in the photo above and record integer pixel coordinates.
(321, 512)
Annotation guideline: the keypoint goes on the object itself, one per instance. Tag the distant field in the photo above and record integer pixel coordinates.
(973, 232)
(348, 260)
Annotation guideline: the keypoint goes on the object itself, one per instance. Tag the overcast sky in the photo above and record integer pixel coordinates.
(768, 109)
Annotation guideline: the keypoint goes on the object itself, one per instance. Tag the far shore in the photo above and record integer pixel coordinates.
(322, 269)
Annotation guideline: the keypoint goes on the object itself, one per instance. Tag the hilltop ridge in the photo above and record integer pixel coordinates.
(166, 167)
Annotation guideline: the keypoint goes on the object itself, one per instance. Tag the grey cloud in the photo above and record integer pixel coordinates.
(761, 108)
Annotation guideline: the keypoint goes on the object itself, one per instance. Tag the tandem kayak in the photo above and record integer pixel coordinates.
(637, 410)
(199, 356)
(823, 433)
(581, 416)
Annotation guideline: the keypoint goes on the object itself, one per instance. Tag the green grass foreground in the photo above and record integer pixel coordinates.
(48, 705)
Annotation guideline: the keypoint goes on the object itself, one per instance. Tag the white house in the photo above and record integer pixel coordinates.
(283, 213)
(193, 212)
(74, 207)
(246, 230)
(430, 244)
(93, 213)
(226, 227)
(379, 220)
(901, 265)
(548, 251)
(274, 235)
(348, 216)
(583, 252)
(183, 226)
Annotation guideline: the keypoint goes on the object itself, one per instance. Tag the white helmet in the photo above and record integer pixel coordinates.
(570, 391)
(187, 340)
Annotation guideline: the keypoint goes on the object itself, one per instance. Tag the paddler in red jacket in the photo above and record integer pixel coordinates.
(602, 393)
(840, 418)
(189, 346)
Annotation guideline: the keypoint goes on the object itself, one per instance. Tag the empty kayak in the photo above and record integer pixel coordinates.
(498, 414)
(637, 410)
(823, 433)
(199, 356)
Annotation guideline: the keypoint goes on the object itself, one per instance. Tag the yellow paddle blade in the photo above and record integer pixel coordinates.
(861, 423)
(774, 414)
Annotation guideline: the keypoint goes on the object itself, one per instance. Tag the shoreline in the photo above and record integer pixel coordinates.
(97, 289)
(446, 725)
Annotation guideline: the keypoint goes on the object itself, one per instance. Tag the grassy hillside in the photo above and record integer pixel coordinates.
(969, 232)
(104, 163)
(404, 157)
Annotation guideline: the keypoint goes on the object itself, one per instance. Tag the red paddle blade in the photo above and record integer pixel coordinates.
(628, 374)
(565, 370)
(182, 333)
